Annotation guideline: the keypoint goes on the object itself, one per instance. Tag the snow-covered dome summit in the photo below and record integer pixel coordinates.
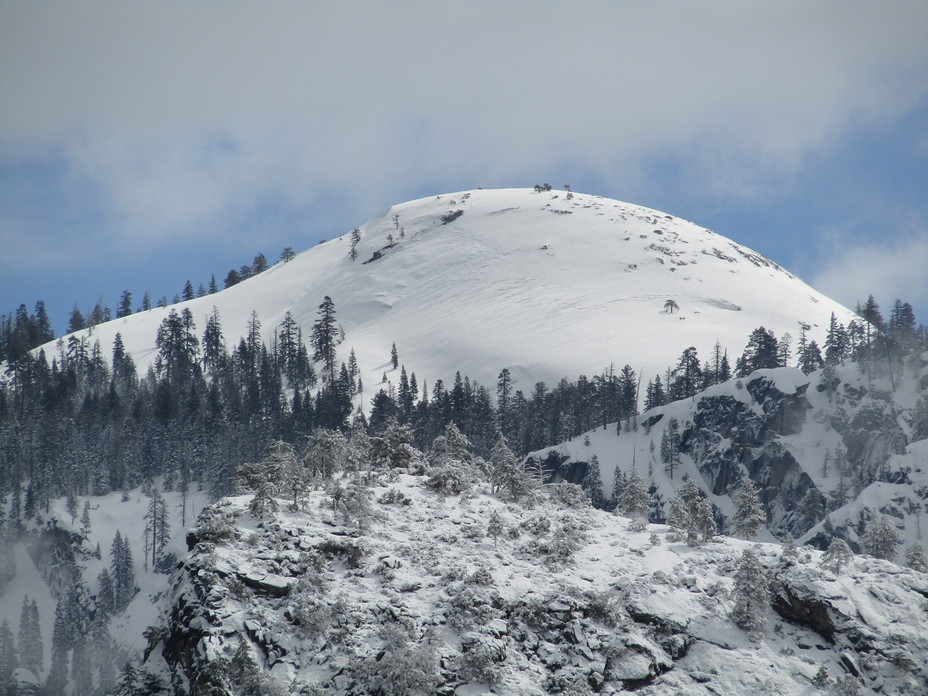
(547, 283)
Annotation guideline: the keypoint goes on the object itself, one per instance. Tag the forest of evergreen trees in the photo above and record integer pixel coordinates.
(84, 421)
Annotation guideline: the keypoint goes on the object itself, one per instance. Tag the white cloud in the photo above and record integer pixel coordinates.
(185, 118)
(887, 269)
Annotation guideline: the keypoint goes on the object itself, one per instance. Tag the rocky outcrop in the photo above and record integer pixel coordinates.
(423, 598)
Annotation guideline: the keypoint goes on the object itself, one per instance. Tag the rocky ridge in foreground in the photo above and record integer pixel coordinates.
(388, 587)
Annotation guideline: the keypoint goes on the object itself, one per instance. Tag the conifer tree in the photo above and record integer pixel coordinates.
(122, 570)
(8, 659)
(85, 520)
(635, 501)
(507, 478)
(685, 513)
(670, 447)
(881, 538)
(157, 526)
(325, 337)
(30, 637)
(106, 598)
(915, 557)
(837, 555)
(495, 526)
(593, 483)
(394, 356)
(749, 515)
(750, 595)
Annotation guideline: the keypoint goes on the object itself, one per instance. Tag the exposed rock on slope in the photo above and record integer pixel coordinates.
(826, 451)
(420, 594)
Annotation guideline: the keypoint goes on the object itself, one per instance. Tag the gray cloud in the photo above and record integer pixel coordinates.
(187, 118)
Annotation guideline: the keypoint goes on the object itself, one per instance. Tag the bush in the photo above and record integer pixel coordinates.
(395, 496)
(451, 479)
(216, 523)
(568, 495)
(480, 658)
(401, 668)
(350, 551)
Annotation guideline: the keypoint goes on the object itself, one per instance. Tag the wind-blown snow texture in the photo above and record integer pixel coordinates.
(546, 285)
(422, 599)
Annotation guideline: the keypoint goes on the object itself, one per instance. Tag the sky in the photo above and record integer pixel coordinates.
(146, 143)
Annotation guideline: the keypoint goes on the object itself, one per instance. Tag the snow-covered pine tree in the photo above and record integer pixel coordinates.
(635, 501)
(881, 538)
(8, 659)
(85, 520)
(106, 600)
(495, 526)
(750, 595)
(123, 571)
(30, 637)
(157, 526)
(915, 557)
(685, 514)
(705, 519)
(670, 447)
(789, 553)
(749, 516)
(593, 483)
(324, 338)
(508, 480)
(837, 555)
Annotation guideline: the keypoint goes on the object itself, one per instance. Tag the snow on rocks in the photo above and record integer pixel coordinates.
(422, 600)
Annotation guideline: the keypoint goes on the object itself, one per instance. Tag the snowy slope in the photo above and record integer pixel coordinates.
(786, 431)
(420, 596)
(546, 285)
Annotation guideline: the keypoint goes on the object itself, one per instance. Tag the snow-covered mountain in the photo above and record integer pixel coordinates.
(550, 284)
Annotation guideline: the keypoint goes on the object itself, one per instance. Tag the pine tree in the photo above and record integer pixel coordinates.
(881, 538)
(157, 526)
(507, 478)
(325, 337)
(122, 570)
(836, 342)
(837, 555)
(670, 447)
(495, 526)
(761, 352)
(750, 595)
(30, 637)
(106, 598)
(687, 514)
(394, 356)
(125, 305)
(635, 501)
(593, 483)
(749, 516)
(85, 520)
(8, 658)
(915, 558)
(705, 519)
(188, 291)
